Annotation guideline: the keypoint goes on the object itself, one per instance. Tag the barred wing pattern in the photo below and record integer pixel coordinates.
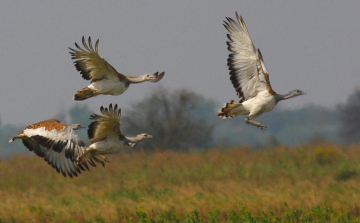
(247, 70)
(58, 144)
(90, 64)
(105, 125)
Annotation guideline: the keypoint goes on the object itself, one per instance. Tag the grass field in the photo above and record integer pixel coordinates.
(311, 183)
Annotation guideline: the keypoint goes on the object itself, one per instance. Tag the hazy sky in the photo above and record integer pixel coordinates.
(309, 45)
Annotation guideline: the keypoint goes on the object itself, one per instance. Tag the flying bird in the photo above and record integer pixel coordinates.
(105, 135)
(249, 77)
(104, 78)
(58, 144)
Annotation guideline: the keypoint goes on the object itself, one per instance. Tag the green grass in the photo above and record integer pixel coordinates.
(315, 214)
(311, 183)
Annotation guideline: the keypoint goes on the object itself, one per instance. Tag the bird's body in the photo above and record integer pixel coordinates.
(109, 145)
(109, 86)
(57, 143)
(254, 107)
(105, 135)
(105, 80)
(249, 77)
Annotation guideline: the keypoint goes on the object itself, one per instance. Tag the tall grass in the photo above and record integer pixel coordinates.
(274, 184)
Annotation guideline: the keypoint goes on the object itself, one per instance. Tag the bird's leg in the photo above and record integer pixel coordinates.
(251, 122)
(132, 144)
(88, 153)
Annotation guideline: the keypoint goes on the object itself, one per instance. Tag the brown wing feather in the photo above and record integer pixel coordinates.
(49, 125)
(105, 125)
(264, 72)
(89, 63)
(59, 148)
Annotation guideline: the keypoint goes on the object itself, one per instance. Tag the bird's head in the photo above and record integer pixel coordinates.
(76, 126)
(297, 92)
(153, 77)
(144, 136)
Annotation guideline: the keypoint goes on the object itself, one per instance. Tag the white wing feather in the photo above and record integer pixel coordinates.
(59, 148)
(246, 69)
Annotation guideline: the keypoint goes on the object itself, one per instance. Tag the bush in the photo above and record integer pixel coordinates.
(176, 119)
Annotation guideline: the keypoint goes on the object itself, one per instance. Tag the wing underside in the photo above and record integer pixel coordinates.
(247, 70)
(58, 144)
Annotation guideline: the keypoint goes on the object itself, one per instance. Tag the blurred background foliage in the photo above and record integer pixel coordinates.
(182, 120)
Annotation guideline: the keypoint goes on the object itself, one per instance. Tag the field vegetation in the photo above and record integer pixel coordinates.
(309, 183)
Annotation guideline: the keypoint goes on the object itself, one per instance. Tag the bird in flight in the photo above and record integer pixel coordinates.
(62, 148)
(249, 77)
(58, 144)
(105, 80)
(105, 135)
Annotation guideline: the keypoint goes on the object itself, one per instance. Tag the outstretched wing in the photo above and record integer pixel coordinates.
(246, 67)
(90, 64)
(105, 125)
(58, 144)
(58, 160)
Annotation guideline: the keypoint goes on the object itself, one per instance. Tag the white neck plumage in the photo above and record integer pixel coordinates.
(135, 80)
(134, 139)
(291, 94)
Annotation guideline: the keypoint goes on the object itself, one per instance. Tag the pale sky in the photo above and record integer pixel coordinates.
(309, 45)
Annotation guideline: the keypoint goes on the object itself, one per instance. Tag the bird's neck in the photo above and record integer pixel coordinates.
(281, 97)
(135, 80)
(133, 139)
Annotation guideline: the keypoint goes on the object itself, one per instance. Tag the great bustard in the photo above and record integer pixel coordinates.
(105, 135)
(62, 148)
(104, 78)
(249, 77)
(57, 143)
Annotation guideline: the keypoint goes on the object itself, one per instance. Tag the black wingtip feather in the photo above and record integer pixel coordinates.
(97, 46)
(260, 55)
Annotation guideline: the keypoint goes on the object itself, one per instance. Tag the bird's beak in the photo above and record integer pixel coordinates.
(303, 93)
(149, 136)
(157, 77)
(81, 127)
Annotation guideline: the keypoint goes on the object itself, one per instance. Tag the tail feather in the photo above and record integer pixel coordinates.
(90, 155)
(224, 111)
(83, 94)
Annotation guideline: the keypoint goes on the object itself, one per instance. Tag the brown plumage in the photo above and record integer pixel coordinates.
(248, 76)
(57, 143)
(105, 80)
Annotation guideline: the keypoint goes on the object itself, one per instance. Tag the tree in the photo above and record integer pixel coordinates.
(175, 119)
(272, 142)
(349, 113)
(317, 138)
(80, 114)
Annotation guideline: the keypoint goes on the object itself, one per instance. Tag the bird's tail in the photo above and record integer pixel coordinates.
(83, 94)
(224, 111)
(90, 156)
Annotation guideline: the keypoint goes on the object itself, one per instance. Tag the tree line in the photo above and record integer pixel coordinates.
(183, 120)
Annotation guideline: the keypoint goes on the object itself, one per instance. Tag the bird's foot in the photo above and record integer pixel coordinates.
(104, 158)
(262, 127)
